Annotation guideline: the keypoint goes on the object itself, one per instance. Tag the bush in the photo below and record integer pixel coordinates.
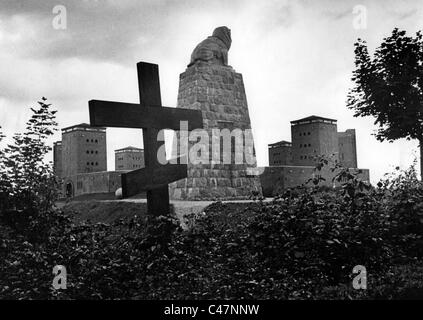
(302, 245)
(297, 247)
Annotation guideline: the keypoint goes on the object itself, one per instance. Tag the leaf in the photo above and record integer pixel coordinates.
(299, 254)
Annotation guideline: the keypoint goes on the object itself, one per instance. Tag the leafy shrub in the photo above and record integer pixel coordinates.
(299, 246)
(302, 245)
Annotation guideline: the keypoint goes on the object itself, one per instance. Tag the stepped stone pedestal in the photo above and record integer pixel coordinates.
(218, 91)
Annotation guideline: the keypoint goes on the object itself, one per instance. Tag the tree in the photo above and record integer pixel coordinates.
(4, 186)
(389, 87)
(28, 181)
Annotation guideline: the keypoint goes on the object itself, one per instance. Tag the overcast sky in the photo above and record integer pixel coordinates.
(296, 58)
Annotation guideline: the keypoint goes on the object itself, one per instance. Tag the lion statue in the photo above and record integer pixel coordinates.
(214, 49)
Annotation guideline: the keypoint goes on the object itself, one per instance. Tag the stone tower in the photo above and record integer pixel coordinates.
(227, 166)
(313, 136)
(280, 153)
(129, 158)
(57, 158)
(347, 148)
(83, 150)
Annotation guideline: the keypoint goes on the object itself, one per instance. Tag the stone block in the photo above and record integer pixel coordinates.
(218, 91)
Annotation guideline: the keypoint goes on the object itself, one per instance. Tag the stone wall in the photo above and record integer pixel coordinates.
(91, 183)
(218, 91)
(275, 179)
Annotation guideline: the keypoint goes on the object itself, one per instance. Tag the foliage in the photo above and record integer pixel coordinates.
(28, 185)
(302, 245)
(3, 178)
(389, 86)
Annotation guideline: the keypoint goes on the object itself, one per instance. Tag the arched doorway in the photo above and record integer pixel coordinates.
(69, 189)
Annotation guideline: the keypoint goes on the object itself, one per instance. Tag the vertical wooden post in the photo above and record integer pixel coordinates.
(149, 91)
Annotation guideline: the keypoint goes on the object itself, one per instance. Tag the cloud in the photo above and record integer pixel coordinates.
(91, 31)
(296, 57)
(97, 30)
(404, 14)
(336, 15)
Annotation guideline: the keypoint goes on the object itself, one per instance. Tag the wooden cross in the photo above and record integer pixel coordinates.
(151, 117)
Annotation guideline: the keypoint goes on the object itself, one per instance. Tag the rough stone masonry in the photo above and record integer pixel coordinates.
(210, 85)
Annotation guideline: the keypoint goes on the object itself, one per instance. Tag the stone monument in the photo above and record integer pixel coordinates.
(209, 84)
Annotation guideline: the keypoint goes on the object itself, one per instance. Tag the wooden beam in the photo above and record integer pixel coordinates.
(149, 84)
(149, 90)
(151, 117)
(146, 179)
(132, 115)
